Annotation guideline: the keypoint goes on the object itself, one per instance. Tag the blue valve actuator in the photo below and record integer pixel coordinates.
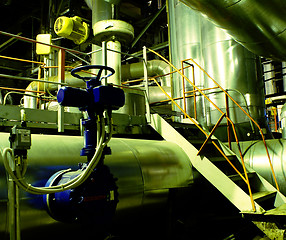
(102, 97)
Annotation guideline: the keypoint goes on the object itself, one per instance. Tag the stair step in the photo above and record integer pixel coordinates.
(277, 215)
(236, 177)
(264, 195)
(222, 159)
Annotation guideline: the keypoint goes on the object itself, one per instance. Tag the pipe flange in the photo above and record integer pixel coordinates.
(110, 30)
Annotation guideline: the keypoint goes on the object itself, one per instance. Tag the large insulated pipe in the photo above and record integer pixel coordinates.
(259, 25)
(145, 171)
(113, 32)
(154, 68)
(255, 156)
(129, 71)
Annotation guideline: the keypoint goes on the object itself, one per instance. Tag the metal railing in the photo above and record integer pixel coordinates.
(230, 124)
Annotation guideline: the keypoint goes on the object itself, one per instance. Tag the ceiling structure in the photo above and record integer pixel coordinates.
(31, 17)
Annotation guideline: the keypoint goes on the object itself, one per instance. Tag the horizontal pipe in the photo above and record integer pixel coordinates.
(129, 71)
(259, 25)
(136, 164)
(255, 156)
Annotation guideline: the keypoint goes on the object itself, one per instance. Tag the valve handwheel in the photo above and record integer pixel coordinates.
(95, 79)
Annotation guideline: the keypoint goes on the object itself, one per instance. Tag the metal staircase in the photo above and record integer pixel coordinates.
(269, 210)
(255, 197)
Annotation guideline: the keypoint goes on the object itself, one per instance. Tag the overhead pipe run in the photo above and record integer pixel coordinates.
(129, 71)
(154, 67)
(259, 25)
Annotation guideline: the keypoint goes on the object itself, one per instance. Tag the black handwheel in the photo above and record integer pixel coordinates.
(86, 67)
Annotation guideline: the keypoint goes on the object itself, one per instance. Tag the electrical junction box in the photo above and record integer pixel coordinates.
(20, 138)
(42, 49)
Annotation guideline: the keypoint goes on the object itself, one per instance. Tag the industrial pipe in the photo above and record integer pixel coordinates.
(259, 25)
(128, 71)
(154, 68)
(136, 164)
(254, 154)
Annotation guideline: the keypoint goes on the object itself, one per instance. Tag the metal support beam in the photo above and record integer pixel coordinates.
(61, 79)
(148, 116)
(147, 26)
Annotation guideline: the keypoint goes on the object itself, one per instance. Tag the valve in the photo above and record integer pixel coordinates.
(96, 198)
(96, 97)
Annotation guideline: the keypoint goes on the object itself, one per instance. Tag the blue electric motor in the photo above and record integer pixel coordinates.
(94, 201)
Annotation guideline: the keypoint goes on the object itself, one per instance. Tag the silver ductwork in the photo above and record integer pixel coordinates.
(235, 68)
(129, 71)
(255, 156)
(154, 68)
(136, 164)
(259, 25)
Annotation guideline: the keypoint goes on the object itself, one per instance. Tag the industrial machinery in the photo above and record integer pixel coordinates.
(117, 137)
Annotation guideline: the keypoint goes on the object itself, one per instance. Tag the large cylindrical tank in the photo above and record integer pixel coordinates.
(145, 171)
(238, 71)
(185, 43)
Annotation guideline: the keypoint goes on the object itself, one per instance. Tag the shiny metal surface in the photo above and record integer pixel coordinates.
(145, 170)
(156, 95)
(238, 71)
(101, 10)
(154, 67)
(134, 102)
(283, 121)
(235, 68)
(114, 61)
(259, 25)
(185, 42)
(255, 156)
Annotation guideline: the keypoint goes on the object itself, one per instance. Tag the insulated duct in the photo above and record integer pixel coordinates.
(136, 164)
(231, 65)
(154, 68)
(130, 71)
(259, 25)
(254, 154)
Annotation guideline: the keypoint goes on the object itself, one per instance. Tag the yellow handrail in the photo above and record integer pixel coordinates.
(260, 130)
(229, 121)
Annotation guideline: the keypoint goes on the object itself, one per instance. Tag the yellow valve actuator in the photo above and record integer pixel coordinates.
(73, 28)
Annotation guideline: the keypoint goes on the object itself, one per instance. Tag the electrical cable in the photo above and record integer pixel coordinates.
(18, 175)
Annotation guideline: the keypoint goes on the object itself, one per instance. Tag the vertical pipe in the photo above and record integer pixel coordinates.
(104, 59)
(61, 79)
(148, 115)
(101, 10)
(228, 125)
(114, 61)
(13, 206)
(195, 92)
(184, 89)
